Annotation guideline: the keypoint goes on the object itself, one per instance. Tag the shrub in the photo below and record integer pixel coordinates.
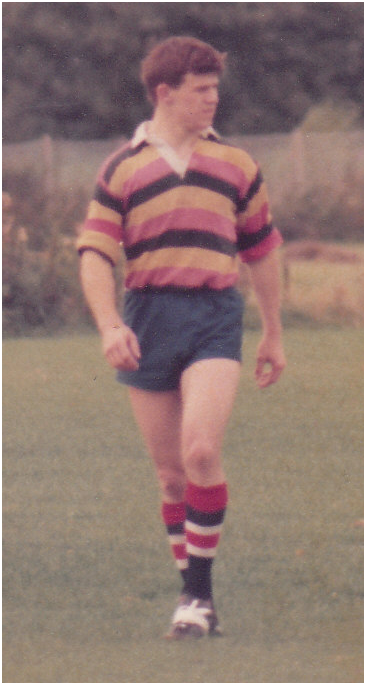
(40, 287)
(43, 210)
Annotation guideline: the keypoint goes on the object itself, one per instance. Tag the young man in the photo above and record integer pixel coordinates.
(185, 206)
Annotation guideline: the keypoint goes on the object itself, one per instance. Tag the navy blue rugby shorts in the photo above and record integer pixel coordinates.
(176, 328)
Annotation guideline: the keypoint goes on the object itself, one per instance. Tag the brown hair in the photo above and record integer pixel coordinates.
(169, 61)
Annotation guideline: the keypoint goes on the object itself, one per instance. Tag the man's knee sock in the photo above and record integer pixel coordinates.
(174, 516)
(205, 511)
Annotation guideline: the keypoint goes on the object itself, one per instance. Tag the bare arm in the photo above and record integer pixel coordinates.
(265, 276)
(120, 345)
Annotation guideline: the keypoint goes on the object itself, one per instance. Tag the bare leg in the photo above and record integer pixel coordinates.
(158, 415)
(183, 430)
(208, 391)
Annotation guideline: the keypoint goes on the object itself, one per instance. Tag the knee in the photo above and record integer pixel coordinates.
(200, 458)
(172, 484)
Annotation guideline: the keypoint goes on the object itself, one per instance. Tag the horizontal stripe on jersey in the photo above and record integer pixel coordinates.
(191, 178)
(125, 153)
(253, 189)
(109, 201)
(251, 239)
(177, 230)
(171, 277)
(182, 238)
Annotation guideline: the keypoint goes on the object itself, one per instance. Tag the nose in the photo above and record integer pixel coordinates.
(212, 96)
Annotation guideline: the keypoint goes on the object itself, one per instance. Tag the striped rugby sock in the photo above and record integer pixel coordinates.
(174, 516)
(205, 510)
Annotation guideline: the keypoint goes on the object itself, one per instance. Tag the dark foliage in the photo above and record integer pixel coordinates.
(71, 69)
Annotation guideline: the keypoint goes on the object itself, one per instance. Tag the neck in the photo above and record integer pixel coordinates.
(172, 132)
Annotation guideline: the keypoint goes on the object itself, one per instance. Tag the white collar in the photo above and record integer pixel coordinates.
(142, 134)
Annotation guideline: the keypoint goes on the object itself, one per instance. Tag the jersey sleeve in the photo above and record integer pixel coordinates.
(256, 234)
(102, 230)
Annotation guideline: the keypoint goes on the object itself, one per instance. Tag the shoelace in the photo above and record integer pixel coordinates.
(193, 614)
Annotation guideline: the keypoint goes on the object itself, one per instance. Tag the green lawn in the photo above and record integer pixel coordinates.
(89, 584)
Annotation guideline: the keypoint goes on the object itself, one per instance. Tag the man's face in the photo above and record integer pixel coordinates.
(193, 104)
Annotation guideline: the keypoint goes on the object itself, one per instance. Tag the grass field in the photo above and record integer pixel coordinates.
(89, 584)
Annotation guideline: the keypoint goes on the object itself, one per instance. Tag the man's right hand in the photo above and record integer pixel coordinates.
(121, 347)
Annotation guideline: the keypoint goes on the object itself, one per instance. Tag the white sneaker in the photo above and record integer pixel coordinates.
(194, 618)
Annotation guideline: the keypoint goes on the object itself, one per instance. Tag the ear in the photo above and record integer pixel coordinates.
(163, 93)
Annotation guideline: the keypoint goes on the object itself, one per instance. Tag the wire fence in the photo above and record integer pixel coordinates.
(315, 182)
(292, 163)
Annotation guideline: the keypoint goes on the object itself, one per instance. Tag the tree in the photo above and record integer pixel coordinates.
(72, 69)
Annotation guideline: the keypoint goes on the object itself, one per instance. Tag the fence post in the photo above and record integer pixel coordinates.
(297, 155)
(49, 277)
(49, 166)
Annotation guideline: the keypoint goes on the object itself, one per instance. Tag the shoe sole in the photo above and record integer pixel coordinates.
(216, 632)
(185, 632)
(191, 631)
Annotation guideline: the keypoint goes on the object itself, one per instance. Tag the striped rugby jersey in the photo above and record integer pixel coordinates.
(184, 228)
